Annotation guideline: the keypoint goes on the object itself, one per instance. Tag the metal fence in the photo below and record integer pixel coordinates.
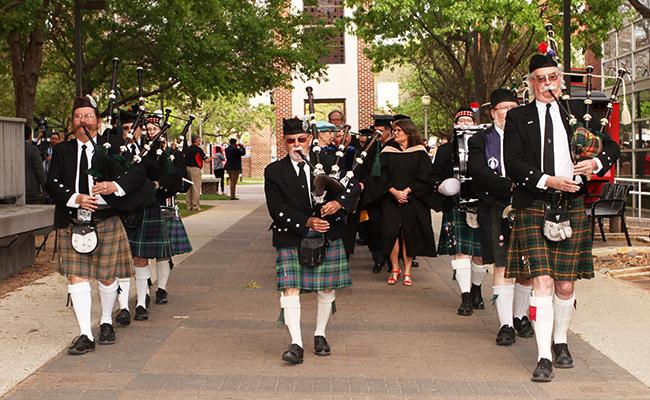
(637, 195)
(12, 159)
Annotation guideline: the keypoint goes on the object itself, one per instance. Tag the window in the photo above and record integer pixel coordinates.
(324, 106)
(609, 47)
(625, 40)
(642, 33)
(329, 12)
(641, 64)
(642, 105)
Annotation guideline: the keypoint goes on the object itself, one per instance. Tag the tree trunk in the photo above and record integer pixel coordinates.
(641, 8)
(26, 53)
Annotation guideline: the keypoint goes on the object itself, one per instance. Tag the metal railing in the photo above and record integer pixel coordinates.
(637, 190)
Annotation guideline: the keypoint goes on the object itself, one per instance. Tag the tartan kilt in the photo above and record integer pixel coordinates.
(111, 259)
(456, 236)
(178, 238)
(530, 254)
(150, 239)
(333, 273)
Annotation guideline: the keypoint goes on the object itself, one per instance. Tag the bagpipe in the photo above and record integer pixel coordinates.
(330, 186)
(586, 140)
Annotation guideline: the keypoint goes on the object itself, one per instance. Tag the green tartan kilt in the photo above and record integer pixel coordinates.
(333, 273)
(150, 239)
(111, 259)
(456, 236)
(530, 254)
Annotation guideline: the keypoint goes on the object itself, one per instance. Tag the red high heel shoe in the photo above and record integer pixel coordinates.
(393, 280)
(407, 280)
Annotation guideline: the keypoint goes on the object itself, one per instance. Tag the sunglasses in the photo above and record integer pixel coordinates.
(301, 139)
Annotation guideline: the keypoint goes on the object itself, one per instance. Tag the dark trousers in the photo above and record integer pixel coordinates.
(219, 173)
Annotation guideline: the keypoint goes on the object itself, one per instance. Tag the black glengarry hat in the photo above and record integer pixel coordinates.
(540, 61)
(85, 101)
(464, 112)
(501, 95)
(292, 126)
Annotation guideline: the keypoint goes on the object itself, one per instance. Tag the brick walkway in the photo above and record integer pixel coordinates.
(217, 339)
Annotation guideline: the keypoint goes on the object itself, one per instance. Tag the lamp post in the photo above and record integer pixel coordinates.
(426, 101)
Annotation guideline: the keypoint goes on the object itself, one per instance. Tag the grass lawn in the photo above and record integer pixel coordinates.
(255, 180)
(181, 196)
(184, 212)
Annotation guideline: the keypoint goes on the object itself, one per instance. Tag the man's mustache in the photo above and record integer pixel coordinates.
(551, 88)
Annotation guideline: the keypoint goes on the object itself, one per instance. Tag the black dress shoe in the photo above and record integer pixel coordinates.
(293, 355)
(321, 347)
(161, 296)
(377, 268)
(543, 372)
(123, 317)
(506, 336)
(477, 297)
(107, 334)
(465, 308)
(523, 327)
(415, 264)
(563, 357)
(141, 314)
(81, 345)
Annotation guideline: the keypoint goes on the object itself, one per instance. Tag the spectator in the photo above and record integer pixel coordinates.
(34, 171)
(219, 164)
(336, 118)
(194, 158)
(233, 164)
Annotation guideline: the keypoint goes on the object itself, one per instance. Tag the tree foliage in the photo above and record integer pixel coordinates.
(197, 49)
(462, 50)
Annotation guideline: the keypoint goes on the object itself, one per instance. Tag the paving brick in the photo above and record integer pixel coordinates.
(387, 342)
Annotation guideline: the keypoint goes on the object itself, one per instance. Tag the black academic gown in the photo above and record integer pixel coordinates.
(402, 169)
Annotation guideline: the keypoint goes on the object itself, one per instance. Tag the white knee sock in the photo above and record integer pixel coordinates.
(504, 295)
(123, 296)
(478, 273)
(463, 269)
(541, 313)
(522, 300)
(163, 270)
(141, 284)
(562, 311)
(324, 311)
(291, 307)
(82, 305)
(107, 297)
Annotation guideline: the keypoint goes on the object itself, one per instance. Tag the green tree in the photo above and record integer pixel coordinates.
(197, 49)
(462, 50)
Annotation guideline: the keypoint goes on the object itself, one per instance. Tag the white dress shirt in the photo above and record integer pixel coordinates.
(307, 172)
(72, 202)
(503, 165)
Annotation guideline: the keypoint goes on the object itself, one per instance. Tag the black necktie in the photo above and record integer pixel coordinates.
(302, 178)
(549, 159)
(133, 149)
(83, 172)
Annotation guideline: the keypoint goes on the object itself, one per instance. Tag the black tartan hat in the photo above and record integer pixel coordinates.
(292, 126)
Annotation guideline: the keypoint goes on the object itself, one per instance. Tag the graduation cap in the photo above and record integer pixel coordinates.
(382, 120)
(399, 117)
(366, 132)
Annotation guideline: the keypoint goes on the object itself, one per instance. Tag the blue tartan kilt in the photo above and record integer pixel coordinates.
(150, 239)
(178, 238)
(333, 273)
(457, 237)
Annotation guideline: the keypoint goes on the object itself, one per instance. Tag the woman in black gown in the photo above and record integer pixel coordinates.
(406, 173)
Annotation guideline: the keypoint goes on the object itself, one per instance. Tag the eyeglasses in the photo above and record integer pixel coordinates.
(301, 139)
(507, 108)
(84, 116)
(542, 78)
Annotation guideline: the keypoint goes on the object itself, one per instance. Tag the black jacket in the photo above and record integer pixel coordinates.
(34, 171)
(522, 153)
(487, 183)
(443, 168)
(289, 206)
(233, 157)
(61, 184)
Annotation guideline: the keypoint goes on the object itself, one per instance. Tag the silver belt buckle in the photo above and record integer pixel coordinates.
(84, 215)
